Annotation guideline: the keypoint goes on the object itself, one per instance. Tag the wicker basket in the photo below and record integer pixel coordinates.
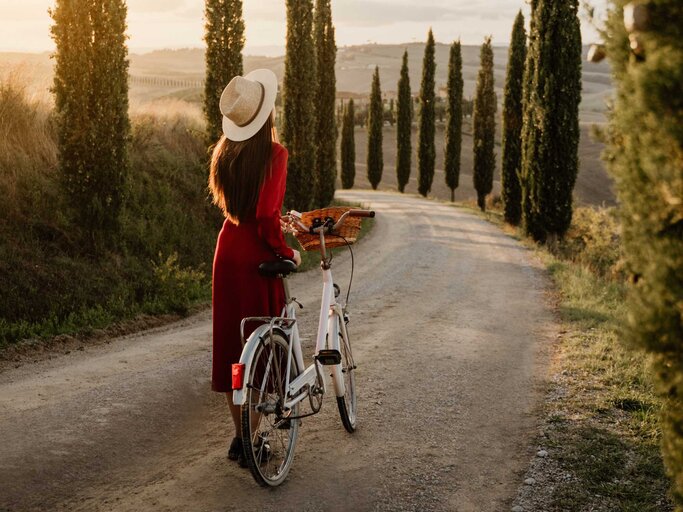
(349, 230)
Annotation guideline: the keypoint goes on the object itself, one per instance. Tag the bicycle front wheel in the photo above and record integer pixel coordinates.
(268, 434)
(347, 403)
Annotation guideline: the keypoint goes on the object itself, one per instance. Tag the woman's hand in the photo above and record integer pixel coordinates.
(286, 225)
(297, 257)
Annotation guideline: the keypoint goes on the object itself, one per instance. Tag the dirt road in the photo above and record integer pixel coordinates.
(449, 322)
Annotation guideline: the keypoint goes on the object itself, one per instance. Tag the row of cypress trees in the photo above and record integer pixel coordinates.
(540, 122)
(484, 124)
(545, 205)
(404, 118)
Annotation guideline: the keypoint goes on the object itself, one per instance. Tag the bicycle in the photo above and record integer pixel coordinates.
(270, 381)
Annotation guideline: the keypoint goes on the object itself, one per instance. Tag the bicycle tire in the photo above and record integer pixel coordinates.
(347, 403)
(268, 447)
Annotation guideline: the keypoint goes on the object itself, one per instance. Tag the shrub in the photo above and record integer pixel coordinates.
(594, 241)
(175, 287)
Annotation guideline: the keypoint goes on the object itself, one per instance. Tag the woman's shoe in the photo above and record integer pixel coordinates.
(235, 450)
(264, 454)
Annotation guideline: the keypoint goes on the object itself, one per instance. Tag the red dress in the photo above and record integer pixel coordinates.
(238, 289)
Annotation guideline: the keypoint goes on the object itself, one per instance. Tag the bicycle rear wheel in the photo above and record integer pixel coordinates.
(347, 403)
(268, 435)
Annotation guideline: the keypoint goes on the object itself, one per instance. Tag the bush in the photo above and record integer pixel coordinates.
(594, 241)
(175, 287)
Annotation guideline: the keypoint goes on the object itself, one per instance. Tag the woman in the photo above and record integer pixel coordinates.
(247, 181)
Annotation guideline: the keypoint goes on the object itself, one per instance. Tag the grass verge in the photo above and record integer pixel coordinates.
(600, 418)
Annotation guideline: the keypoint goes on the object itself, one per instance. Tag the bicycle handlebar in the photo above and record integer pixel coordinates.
(294, 219)
(362, 213)
(350, 213)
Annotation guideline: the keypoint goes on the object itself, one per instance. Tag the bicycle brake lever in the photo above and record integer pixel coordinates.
(301, 306)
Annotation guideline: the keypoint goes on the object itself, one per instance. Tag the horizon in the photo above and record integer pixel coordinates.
(259, 51)
(179, 24)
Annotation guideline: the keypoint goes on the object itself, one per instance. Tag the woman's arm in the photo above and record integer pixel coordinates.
(270, 205)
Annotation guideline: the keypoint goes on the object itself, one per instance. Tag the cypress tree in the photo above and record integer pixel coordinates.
(484, 126)
(298, 90)
(91, 101)
(512, 124)
(348, 148)
(426, 151)
(326, 52)
(404, 122)
(224, 37)
(454, 118)
(550, 133)
(645, 156)
(375, 123)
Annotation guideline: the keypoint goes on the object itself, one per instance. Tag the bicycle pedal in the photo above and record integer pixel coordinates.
(328, 357)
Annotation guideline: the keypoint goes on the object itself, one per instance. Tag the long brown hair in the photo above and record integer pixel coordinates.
(237, 172)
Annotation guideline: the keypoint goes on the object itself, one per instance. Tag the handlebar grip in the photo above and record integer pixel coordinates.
(362, 213)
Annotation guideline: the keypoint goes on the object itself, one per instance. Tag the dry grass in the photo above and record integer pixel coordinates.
(168, 110)
(28, 150)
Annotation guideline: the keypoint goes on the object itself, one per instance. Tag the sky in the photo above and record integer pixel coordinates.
(154, 24)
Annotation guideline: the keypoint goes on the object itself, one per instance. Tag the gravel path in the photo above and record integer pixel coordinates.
(449, 323)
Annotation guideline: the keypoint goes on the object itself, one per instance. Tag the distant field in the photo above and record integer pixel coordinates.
(593, 187)
(168, 78)
(179, 72)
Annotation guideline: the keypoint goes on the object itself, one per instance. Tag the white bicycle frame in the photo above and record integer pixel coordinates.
(330, 325)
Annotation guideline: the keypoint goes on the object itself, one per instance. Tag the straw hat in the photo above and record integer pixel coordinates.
(246, 103)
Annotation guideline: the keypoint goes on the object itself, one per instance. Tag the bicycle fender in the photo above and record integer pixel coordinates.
(333, 343)
(239, 396)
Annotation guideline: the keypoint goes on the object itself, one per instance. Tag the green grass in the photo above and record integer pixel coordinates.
(608, 435)
(604, 430)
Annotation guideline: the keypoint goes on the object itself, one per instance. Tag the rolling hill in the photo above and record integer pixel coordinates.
(178, 74)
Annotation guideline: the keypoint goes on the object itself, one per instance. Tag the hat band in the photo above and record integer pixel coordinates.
(258, 109)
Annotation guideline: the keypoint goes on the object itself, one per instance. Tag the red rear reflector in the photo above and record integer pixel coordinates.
(237, 375)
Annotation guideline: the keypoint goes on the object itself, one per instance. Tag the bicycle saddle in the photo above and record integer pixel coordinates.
(280, 268)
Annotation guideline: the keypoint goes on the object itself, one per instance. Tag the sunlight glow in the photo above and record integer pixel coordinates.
(153, 24)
